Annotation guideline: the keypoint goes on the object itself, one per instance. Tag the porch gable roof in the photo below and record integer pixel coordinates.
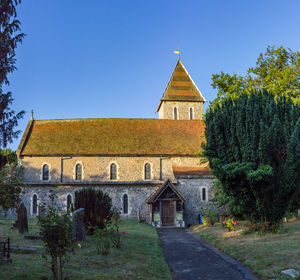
(155, 196)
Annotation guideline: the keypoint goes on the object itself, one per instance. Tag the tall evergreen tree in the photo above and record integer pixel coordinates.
(253, 147)
(10, 37)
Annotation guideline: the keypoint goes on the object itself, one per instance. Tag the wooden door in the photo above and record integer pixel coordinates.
(167, 212)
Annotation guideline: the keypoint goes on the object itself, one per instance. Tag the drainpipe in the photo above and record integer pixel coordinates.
(160, 166)
(62, 168)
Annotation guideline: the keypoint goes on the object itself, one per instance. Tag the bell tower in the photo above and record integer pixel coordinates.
(182, 100)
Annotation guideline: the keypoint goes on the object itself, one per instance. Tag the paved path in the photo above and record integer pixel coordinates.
(191, 258)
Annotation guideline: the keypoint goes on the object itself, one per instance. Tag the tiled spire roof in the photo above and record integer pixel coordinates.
(181, 87)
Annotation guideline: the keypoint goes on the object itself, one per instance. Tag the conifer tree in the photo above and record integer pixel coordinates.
(253, 147)
(10, 37)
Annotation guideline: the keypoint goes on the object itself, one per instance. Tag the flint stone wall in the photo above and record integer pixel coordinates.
(191, 188)
(137, 195)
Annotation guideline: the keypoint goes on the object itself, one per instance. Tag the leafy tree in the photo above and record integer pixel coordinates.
(10, 37)
(277, 70)
(253, 148)
(11, 177)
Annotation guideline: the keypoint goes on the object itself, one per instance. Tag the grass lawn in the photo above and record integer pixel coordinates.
(265, 254)
(139, 258)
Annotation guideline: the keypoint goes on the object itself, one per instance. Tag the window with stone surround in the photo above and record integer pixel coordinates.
(78, 172)
(45, 173)
(113, 171)
(147, 171)
(125, 204)
(69, 202)
(175, 113)
(34, 204)
(204, 194)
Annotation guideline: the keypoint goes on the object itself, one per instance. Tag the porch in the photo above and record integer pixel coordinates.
(166, 206)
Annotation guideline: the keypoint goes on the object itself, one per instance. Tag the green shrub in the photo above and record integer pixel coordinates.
(97, 208)
(209, 216)
(229, 223)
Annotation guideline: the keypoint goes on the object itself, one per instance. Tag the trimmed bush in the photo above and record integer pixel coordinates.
(97, 208)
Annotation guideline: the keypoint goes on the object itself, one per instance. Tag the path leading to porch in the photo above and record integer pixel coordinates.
(191, 258)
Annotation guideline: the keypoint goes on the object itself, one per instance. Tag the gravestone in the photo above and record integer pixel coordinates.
(78, 217)
(291, 272)
(22, 221)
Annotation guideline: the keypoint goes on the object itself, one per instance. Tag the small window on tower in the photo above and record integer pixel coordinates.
(191, 114)
(175, 113)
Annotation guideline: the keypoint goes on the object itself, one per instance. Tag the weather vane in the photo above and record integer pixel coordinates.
(178, 52)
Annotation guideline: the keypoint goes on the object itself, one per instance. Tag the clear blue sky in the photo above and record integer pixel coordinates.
(102, 59)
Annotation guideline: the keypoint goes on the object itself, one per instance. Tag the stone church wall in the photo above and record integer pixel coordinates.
(191, 188)
(97, 169)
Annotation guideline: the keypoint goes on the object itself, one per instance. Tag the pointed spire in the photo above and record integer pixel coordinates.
(181, 87)
(31, 116)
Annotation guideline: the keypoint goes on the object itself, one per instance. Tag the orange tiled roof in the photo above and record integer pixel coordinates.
(181, 87)
(112, 137)
(186, 170)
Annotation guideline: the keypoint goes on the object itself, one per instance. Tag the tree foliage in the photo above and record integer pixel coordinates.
(253, 147)
(277, 70)
(11, 177)
(10, 37)
(97, 207)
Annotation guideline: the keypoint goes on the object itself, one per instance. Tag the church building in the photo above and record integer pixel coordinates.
(149, 167)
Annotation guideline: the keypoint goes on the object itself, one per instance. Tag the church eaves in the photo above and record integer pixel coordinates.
(112, 137)
(181, 87)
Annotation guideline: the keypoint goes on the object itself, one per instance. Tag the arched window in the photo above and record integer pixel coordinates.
(147, 171)
(34, 204)
(191, 114)
(45, 175)
(125, 204)
(113, 171)
(204, 194)
(78, 172)
(175, 113)
(69, 202)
